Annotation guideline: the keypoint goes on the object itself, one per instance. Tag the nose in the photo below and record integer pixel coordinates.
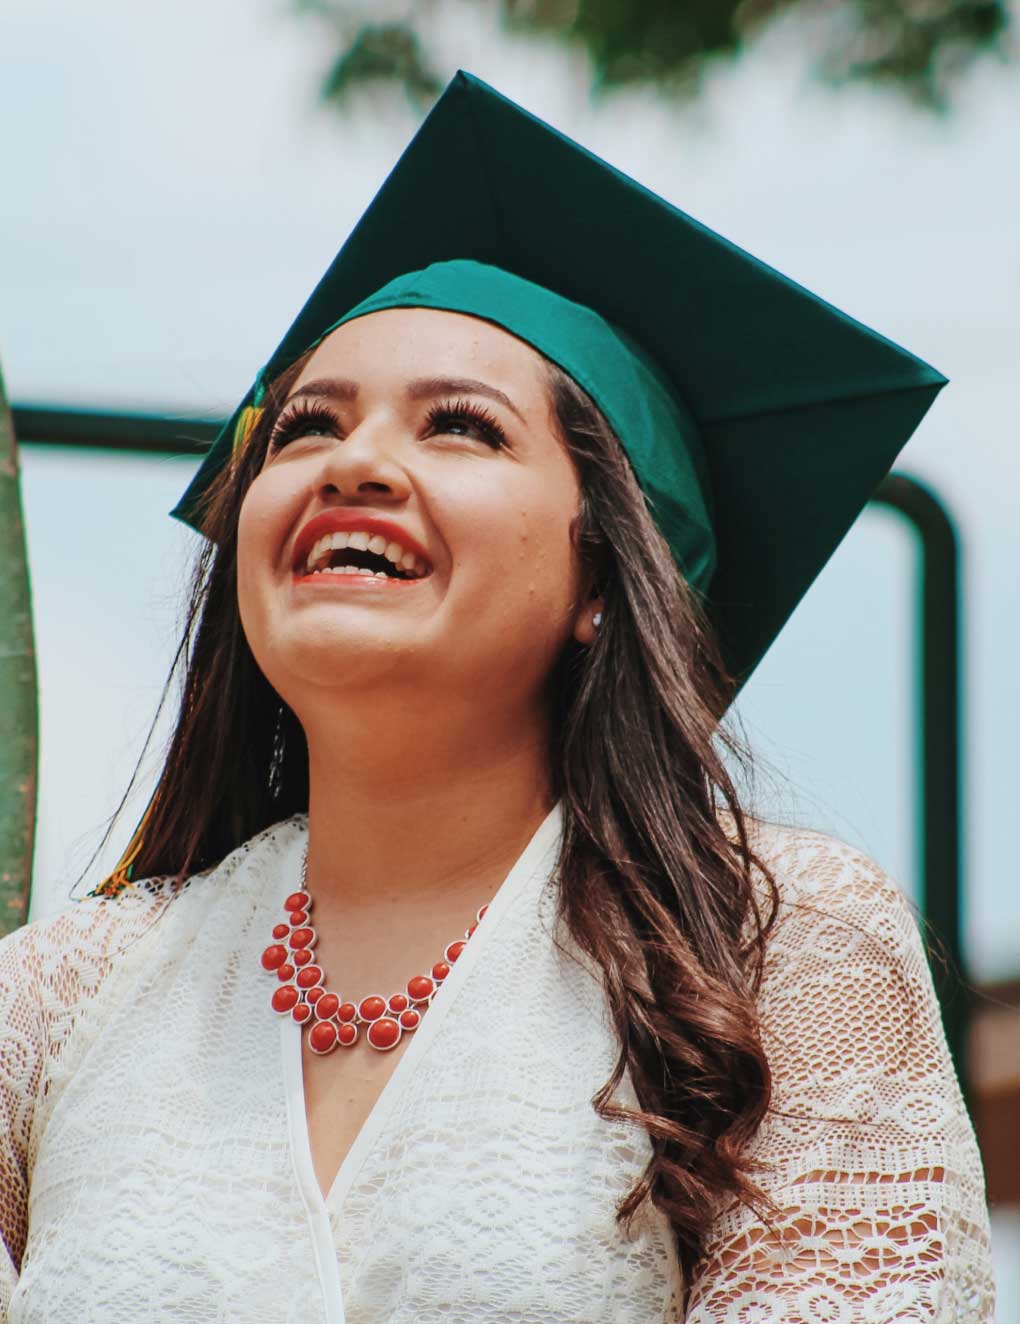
(365, 464)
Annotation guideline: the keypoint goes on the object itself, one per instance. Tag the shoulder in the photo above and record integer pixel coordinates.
(820, 877)
(100, 923)
(840, 919)
(57, 959)
(845, 956)
(59, 974)
(811, 865)
(50, 971)
(70, 947)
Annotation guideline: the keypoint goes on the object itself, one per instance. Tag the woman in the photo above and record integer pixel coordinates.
(560, 1032)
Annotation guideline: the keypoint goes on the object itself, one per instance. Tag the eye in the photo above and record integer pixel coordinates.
(464, 418)
(304, 419)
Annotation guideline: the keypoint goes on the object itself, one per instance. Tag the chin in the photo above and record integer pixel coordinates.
(335, 660)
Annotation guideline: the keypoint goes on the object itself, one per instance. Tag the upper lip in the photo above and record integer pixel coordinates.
(347, 520)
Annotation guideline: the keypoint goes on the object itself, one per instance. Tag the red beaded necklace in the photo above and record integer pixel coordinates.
(302, 992)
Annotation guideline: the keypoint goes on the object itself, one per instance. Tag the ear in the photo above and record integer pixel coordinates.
(585, 629)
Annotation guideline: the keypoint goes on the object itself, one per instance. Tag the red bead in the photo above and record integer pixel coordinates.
(370, 1009)
(274, 957)
(420, 988)
(280, 930)
(347, 1034)
(315, 993)
(301, 1012)
(285, 998)
(397, 1002)
(471, 930)
(302, 957)
(326, 1006)
(410, 1018)
(481, 913)
(285, 973)
(439, 971)
(297, 918)
(455, 949)
(323, 1037)
(309, 976)
(347, 1012)
(298, 901)
(384, 1033)
(301, 938)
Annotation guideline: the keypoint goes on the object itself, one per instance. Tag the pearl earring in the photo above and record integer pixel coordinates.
(596, 620)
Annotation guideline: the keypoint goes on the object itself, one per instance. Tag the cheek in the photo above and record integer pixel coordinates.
(256, 529)
(517, 556)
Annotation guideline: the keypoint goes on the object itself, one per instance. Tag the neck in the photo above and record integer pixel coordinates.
(422, 809)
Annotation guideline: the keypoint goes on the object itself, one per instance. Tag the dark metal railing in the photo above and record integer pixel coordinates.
(151, 434)
(938, 726)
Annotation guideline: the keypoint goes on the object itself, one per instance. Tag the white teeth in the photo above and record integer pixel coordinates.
(362, 540)
(318, 552)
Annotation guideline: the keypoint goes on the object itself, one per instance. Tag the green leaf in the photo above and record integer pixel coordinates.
(922, 48)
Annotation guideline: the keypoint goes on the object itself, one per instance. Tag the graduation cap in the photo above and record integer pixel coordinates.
(758, 418)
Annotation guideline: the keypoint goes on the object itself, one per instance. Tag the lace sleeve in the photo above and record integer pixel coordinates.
(873, 1161)
(21, 1056)
(51, 973)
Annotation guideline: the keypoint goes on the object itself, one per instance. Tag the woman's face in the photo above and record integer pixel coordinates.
(431, 433)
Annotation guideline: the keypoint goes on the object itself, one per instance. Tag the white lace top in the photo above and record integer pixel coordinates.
(155, 1164)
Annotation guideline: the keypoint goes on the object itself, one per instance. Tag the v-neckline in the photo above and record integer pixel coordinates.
(525, 867)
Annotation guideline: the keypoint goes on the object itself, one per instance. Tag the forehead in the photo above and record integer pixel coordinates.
(399, 343)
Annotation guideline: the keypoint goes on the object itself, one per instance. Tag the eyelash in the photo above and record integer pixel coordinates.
(303, 416)
(297, 420)
(479, 417)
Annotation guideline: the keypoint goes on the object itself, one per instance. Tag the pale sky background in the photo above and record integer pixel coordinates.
(173, 191)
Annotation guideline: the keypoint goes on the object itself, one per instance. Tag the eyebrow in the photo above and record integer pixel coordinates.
(423, 388)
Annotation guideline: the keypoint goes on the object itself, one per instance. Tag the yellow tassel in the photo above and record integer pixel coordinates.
(245, 425)
(121, 876)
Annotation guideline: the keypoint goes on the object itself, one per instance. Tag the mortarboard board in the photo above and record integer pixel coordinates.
(793, 411)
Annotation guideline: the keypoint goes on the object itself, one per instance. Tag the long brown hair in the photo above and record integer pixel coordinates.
(659, 882)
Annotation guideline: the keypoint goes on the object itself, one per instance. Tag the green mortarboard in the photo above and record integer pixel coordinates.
(758, 418)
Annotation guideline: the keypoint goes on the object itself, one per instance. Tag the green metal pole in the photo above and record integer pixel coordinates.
(939, 712)
(19, 720)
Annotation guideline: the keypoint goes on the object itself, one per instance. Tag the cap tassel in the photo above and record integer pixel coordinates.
(120, 879)
(245, 426)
